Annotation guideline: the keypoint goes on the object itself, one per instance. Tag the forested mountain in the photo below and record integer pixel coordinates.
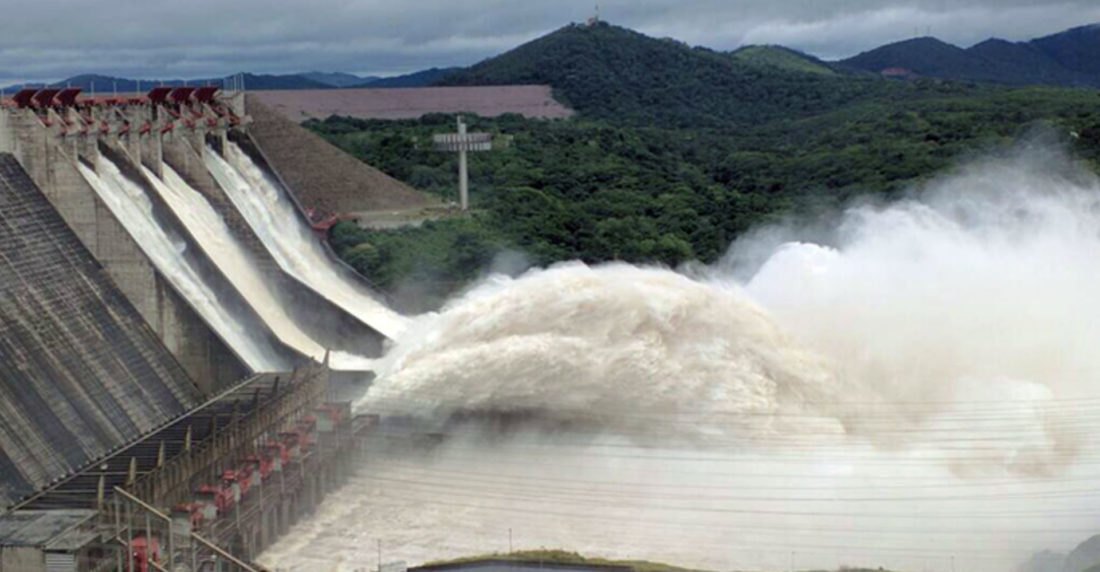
(1067, 58)
(1077, 49)
(783, 58)
(615, 73)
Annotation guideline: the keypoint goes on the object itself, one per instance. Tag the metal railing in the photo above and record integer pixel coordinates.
(134, 518)
(173, 481)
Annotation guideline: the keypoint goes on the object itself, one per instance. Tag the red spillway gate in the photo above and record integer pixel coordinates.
(67, 97)
(44, 98)
(205, 94)
(181, 94)
(157, 95)
(22, 98)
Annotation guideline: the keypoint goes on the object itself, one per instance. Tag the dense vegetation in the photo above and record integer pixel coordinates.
(784, 58)
(616, 74)
(560, 557)
(601, 186)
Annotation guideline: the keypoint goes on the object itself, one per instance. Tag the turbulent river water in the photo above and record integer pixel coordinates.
(911, 385)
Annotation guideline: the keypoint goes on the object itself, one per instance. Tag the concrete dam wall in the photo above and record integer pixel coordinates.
(175, 335)
(81, 372)
(199, 230)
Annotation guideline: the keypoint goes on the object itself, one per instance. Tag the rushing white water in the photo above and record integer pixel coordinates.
(134, 211)
(297, 249)
(204, 223)
(570, 342)
(918, 392)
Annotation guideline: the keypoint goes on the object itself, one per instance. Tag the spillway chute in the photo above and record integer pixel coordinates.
(167, 250)
(274, 218)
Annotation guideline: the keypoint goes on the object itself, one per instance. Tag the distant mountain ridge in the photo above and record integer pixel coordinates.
(339, 79)
(613, 72)
(415, 79)
(616, 73)
(103, 84)
(1069, 58)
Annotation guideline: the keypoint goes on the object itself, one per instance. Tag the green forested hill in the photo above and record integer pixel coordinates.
(617, 74)
(674, 153)
(783, 58)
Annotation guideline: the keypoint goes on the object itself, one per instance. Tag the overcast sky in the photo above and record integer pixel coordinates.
(203, 38)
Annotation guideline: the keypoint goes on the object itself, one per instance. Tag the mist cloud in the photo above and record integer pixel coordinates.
(919, 379)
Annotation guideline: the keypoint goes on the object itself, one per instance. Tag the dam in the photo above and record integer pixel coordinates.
(180, 345)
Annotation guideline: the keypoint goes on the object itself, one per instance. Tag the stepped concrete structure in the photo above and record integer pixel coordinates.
(80, 372)
(134, 433)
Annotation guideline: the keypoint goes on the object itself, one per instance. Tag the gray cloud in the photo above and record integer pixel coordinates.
(169, 38)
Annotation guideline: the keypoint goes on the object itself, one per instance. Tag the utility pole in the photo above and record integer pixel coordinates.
(463, 174)
(379, 555)
(510, 540)
(460, 143)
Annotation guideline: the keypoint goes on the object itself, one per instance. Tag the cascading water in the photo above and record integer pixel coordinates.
(272, 216)
(133, 209)
(917, 393)
(208, 228)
